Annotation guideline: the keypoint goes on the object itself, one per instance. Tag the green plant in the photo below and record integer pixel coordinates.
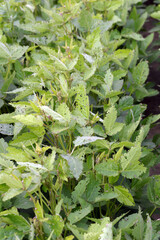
(75, 152)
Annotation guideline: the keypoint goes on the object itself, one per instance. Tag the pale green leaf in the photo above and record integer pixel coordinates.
(109, 168)
(27, 139)
(76, 165)
(63, 110)
(85, 140)
(53, 114)
(11, 193)
(29, 120)
(110, 119)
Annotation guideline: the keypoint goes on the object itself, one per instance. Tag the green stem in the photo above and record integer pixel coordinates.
(153, 211)
(62, 144)
(8, 70)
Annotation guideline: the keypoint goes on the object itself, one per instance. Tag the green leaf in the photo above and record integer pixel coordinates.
(26, 138)
(38, 210)
(53, 114)
(19, 222)
(156, 15)
(54, 223)
(3, 145)
(11, 193)
(64, 85)
(17, 154)
(92, 189)
(124, 196)
(138, 230)
(95, 230)
(131, 167)
(109, 168)
(29, 120)
(11, 180)
(140, 73)
(128, 221)
(76, 165)
(149, 231)
(85, 140)
(74, 229)
(63, 110)
(79, 189)
(6, 129)
(49, 161)
(82, 101)
(153, 190)
(4, 51)
(17, 51)
(85, 20)
(128, 131)
(110, 119)
(105, 197)
(79, 214)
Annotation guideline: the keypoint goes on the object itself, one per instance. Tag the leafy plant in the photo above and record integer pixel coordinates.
(74, 159)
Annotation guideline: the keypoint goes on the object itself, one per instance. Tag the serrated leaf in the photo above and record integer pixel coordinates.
(76, 165)
(128, 131)
(149, 231)
(63, 110)
(49, 161)
(107, 232)
(19, 222)
(4, 51)
(138, 230)
(128, 222)
(82, 101)
(85, 140)
(79, 214)
(92, 189)
(29, 120)
(140, 73)
(79, 190)
(124, 196)
(3, 145)
(110, 119)
(55, 223)
(131, 167)
(26, 138)
(153, 190)
(16, 154)
(85, 20)
(109, 168)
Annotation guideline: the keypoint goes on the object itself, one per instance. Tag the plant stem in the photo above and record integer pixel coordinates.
(153, 211)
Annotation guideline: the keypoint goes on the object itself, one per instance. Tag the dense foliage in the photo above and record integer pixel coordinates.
(74, 159)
